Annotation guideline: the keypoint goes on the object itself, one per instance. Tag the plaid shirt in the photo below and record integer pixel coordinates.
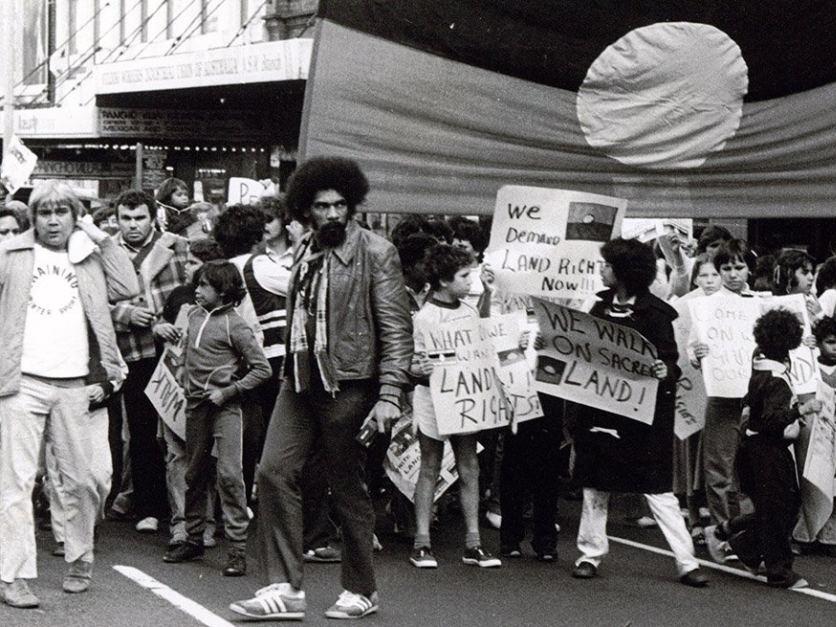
(162, 270)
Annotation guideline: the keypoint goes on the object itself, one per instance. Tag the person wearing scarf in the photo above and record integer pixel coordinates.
(347, 361)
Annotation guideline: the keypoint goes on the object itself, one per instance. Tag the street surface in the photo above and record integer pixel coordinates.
(636, 587)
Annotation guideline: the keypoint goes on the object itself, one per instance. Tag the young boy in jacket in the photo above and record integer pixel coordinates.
(219, 345)
(764, 463)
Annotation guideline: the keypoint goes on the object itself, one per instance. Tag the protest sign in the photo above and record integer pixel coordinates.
(166, 395)
(515, 370)
(17, 166)
(403, 461)
(244, 191)
(546, 242)
(724, 322)
(804, 367)
(816, 449)
(465, 386)
(690, 388)
(595, 362)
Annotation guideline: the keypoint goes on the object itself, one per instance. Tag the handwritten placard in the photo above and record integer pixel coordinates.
(166, 394)
(690, 388)
(546, 242)
(820, 463)
(465, 385)
(595, 362)
(724, 323)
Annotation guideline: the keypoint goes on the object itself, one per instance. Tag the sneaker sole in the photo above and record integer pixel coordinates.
(486, 564)
(265, 617)
(420, 564)
(344, 616)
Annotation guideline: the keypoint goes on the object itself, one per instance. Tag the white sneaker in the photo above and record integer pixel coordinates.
(352, 605)
(642, 522)
(277, 601)
(494, 519)
(148, 525)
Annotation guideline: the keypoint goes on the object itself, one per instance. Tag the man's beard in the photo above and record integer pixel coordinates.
(330, 234)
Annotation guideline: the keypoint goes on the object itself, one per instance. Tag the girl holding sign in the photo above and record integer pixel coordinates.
(618, 454)
(449, 273)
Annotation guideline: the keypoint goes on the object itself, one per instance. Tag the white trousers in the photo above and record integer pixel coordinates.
(592, 534)
(24, 417)
(101, 467)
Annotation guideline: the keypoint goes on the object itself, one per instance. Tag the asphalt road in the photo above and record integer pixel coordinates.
(635, 587)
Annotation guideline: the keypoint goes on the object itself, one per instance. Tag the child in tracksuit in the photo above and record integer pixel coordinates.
(764, 464)
(219, 346)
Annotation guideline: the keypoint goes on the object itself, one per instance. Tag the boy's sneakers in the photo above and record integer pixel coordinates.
(512, 550)
(236, 564)
(277, 601)
(78, 577)
(698, 536)
(478, 556)
(642, 522)
(547, 556)
(728, 554)
(353, 605)
(183, 553)
(494, 519)
(793, 581)
(422, 557)
(324, 555)
(17, 594)
(148, 525)
(714, 544)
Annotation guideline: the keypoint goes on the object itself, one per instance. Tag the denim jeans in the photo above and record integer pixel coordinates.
(300, 422)
(720, 441)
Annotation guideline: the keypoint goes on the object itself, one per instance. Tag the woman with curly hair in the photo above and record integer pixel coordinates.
(619, 454)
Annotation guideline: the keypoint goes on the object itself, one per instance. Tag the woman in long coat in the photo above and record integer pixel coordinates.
(619, 454)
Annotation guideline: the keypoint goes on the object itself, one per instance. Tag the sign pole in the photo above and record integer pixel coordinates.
(9, 63)
(138, 171)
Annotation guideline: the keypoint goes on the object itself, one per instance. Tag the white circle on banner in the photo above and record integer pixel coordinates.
(664, 96)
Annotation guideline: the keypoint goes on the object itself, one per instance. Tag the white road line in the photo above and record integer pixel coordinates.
(193, 609)
(827, 596)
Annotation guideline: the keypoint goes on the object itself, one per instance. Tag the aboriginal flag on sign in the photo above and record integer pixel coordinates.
(685, 108)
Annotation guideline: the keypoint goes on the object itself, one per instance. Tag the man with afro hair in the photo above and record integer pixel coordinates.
(349, 347)
(764, 463)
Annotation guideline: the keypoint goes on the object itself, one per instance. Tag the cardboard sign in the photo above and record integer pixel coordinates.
(546, 242)
(690, 388)
(725, 322)
(820, 462)
(166, 395)
(244, 191)
(465, 386)
(595, 362)
(515, 369)
(18, 164)
(403, 461)
(804, 369)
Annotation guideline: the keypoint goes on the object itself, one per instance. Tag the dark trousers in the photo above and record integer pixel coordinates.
(300, 422)
(318, 530)
(252, 440)
(147, 465)
(531, 467)
(206, 426)
(767, 475)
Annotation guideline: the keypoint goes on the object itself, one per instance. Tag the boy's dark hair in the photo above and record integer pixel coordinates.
(467, 229)
(443, 261)
(824, 328)
(788, 262)
(409, 225)
(167, 189)
(633, 263)
(323, 173)
(225, 279)
(413, 249)
(275, 208)
(239, 228)
(206, 249)
(440, 230)
(826, 276)
(133, 198)
(102, 214)
(777, 332)
(712, 234)
(731, 250)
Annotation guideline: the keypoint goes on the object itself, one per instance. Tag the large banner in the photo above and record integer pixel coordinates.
(690, 388)
(595, 362)
(819, 464)
(725, 323)
(546, 242)
(465, 385)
